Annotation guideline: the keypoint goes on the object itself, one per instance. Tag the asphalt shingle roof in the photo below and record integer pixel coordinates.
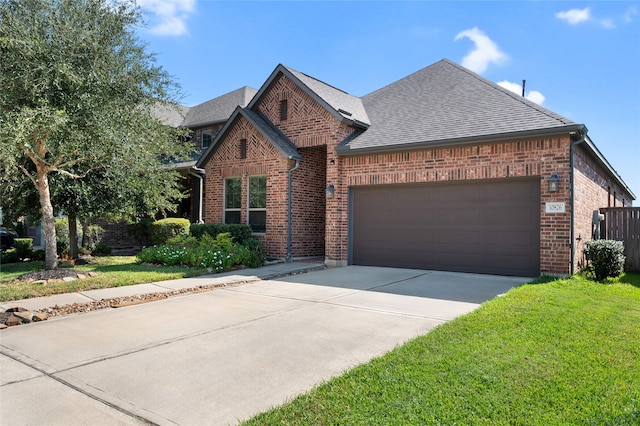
(218, 109)
(446, 102)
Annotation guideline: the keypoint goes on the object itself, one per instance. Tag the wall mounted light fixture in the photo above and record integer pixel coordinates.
(330, 191)
(554, 183)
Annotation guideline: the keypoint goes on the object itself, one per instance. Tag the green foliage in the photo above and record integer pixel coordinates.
(252, 253)
(37, 255)
(62, 236)
(218, 254)
(101, 250)
(93, 237)
(141, 231)
(79, 114)
(605, 258)
(239, 232)
(9, 256)
(164, 229)
(24, 248)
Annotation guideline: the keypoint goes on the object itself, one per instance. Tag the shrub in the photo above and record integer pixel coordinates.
(9, 256)
(101, 250)
(163, 229)
(62, 235)
(94, 236)
(141, 231)
(239, 232)
(605, 258)
(23, 247)
(253, 253)
(219, 253)
(37, 255)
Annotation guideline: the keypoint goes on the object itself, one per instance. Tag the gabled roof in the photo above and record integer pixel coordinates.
(268, 130)
(343, 106)
(446, 103)
(217, 110)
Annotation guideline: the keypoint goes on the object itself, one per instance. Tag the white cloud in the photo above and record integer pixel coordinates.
(629, 14)
(533, 95)
(575, 16)
(168, 16)
(486, 51)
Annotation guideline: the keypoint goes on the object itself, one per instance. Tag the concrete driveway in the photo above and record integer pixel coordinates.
(220, 357)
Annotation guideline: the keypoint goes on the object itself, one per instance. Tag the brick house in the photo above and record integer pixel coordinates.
(442, 169)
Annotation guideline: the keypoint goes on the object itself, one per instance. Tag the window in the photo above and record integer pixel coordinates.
(284, 109)
(232, 200)
(258, 203)
(205, 138)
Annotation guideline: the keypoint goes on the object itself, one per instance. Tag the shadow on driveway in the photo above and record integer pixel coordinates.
(454, 286)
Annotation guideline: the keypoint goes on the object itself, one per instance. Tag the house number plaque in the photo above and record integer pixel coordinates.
(553, 207)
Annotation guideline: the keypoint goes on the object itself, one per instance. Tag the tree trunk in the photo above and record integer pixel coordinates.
(73, 235)
(86, 241)
(51, 252)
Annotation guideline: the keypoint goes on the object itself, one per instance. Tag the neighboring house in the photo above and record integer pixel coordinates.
(442, 169)
(205, 120)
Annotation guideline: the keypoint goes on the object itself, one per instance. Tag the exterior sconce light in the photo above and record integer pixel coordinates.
(554, 183)
(330, 191)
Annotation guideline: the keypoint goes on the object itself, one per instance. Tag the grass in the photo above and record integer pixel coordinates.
(551, 353)
(113, 271)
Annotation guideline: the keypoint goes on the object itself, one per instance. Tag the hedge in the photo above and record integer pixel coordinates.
(171, 227)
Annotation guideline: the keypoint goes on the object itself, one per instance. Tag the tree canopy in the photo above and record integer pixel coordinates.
(77, 102)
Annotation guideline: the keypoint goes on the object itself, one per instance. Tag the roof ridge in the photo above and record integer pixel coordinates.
(318, 80)
(515, 96)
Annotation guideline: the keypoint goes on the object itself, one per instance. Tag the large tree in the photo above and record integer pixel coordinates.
(78, 91)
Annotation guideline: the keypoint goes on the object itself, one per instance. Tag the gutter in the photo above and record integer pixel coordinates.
(289, 214)
(198, 174)
(572, 201)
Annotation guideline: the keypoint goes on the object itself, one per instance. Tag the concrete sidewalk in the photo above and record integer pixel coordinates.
(268, 272)
(217, 357)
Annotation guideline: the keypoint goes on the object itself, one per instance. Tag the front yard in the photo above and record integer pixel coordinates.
(556, 353)
(112, 271)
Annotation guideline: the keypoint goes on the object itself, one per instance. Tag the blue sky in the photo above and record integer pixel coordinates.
(580, 59)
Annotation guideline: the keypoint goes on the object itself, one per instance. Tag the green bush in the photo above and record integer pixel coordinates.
(240, 233)
(101, 250)
(253, 253)
(93, 237)
(141, 231)
(164, 229)
(219, 253)
(62, 235)
(9, 256)
(605, 258)
(38, 255)
(23, 247)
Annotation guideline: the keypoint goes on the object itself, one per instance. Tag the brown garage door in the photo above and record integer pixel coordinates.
(489, 227)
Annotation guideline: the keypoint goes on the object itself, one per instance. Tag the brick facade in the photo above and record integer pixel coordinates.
(593, 190)
(320, 226)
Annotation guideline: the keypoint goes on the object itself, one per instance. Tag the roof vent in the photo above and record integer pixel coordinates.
(347, 113)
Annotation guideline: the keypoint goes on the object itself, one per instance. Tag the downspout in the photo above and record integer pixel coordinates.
(572, 201)
(289, 214)
(199, 174)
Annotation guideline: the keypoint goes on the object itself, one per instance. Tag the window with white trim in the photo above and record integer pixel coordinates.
(232, 199)
(258, 203)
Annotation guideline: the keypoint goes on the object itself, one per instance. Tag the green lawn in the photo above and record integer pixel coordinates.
(564, 352)
(113, 271)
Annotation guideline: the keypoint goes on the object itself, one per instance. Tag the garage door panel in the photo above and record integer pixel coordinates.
(484, 226)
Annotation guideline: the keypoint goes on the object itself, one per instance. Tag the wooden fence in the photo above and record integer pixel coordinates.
(623, 224)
